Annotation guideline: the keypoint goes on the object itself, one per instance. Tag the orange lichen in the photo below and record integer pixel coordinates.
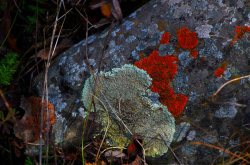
(202, 59)
(239, 33)
(219, 72)
(141, 55)
(224, 65)
(187, 39)
(165, 38)
(161, 25)
(137, 23)
(235, 76)
(177, 47)
(162, 70)
(32, 120)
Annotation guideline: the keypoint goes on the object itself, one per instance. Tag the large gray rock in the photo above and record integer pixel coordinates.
(140, 34)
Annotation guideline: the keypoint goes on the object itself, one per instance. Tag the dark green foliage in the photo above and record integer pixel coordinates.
(5, 122)
(31, 10)
(3, 6)
(8, 66)
(32, 18)
(28, 161)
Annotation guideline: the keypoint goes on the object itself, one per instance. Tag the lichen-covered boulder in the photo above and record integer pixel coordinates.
(127, 90)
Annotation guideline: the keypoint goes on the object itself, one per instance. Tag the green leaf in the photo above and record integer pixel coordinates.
(1, 115)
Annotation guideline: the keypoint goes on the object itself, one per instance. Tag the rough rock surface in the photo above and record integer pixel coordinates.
(215, 22)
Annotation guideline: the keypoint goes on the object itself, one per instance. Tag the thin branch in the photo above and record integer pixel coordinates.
(197, 126)
(83, 16)
(7, 105)
(105, 130)
(17, 6)
(226, 84)
(66, 13)
(45, 85)
(229, 103)
(95, 6)
(171, 149)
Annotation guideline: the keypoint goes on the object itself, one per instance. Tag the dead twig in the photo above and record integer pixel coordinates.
(170, 149)
(105, 130)
(17, 6)
(7, 105)
(45, 85)
(212, 146)
(83, 17)
(236, 79)
(229, 103)
(197, 126)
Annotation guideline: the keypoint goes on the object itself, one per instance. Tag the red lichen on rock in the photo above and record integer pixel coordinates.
(187, 39)
(175, 104)
(219, 72)
(239, 33)
(162, 70)
(246, 29)
(165, 38)
(193, 53)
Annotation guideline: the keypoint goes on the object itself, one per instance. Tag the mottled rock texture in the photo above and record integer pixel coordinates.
(214, 22)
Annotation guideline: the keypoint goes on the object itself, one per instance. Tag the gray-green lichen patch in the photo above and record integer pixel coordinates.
(128, 91)
(210, 50)
(59, 128)
(181, 131)
(227, 111)
(191, 135)
(203, 31)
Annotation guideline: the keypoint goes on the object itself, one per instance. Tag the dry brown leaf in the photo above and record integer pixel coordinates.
(28, 128)
(106, 11)
(66, 43)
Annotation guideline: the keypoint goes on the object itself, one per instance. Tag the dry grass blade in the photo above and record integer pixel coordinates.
(7, 105)
(97, 156)
(83, 17)
(111, 148)
(229, 103)
(170, 149)
(212, 146)
(211, 99)
(197, 126)
(45, 86)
